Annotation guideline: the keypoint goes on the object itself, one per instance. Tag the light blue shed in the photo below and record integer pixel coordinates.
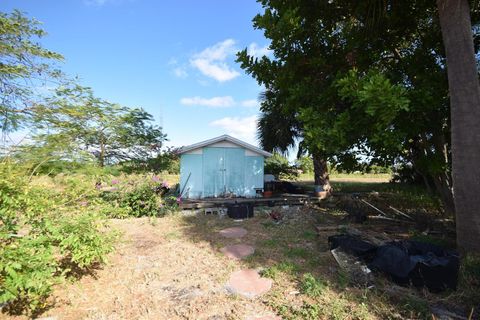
(221, 167)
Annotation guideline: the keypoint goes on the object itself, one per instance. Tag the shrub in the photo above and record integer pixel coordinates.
(44, 235)
(142, 200)
(278, 166)
(312, 286)
(148, 197)
(27, 273)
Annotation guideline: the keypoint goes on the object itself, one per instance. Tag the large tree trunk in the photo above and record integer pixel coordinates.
(465, 116)
(320, 171)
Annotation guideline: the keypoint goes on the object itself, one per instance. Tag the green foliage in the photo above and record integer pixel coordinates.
(417, 307)
(45, 235)
(305, 164)
(79, 240)
(144, 197)
(470, 279)
(312, 286)
(278, 166)
(297, 252)
(75, 123)
(142, 200)
(353, 93)
(285, 267)
(166, 161)
(22, 60)
(27, 272)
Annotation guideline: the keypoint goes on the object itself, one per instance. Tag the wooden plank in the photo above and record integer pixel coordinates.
(198, 204)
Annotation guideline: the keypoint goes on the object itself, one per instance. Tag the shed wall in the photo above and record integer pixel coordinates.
(219, 170)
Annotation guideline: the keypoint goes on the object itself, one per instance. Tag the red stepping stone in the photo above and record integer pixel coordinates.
(234, 232)
(248, 283)
(238, 251)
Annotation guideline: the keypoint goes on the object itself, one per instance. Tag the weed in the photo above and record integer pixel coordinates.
(296, 253)
(282, 267)
(470, 278)
(343, 279)
(312, 286)
(270, 243)
(309, 235)
(418, 308)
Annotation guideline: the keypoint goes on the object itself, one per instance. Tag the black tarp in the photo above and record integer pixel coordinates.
(406, 262)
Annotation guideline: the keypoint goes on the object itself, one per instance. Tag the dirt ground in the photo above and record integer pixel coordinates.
(172, 268)
(161, 270)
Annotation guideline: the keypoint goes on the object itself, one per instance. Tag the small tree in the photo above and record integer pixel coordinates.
(110, 132)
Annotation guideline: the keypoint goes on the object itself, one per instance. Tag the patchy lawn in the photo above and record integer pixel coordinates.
(172, 268)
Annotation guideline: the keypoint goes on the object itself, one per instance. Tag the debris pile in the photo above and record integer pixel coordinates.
(405, 262)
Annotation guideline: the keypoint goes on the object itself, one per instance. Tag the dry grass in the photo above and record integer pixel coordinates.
(171, 268)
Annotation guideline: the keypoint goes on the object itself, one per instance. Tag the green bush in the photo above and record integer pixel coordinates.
(142, 200)
(45, 235)
(312, 286)
(137, 199)
(278, 166)
(305, 164)
(27, 273)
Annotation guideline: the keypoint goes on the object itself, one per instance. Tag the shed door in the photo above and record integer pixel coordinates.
(213, 172)
(223, 171)
(235, 171)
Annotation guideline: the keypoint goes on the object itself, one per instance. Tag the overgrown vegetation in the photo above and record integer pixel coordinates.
(278, 166)
(59, 186)
(45, 236)
(55, 227)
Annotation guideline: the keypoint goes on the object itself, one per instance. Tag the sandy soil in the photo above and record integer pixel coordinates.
(161, 270)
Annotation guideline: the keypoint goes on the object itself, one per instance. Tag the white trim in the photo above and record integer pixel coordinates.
(195, 151)
(223, 144)
(228, 139)
(250, 153)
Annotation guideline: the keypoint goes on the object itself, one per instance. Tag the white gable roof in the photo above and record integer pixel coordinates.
(227, 138)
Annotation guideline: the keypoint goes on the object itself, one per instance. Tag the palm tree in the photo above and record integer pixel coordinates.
(278, 131)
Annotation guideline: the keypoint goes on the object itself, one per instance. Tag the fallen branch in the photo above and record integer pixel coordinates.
(389, 219)
(371, 205)
(401, 213)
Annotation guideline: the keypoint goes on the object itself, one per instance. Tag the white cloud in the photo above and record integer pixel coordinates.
(249, 103)
(101, 3)
(218, 102)
(172, 62)
(255, 50)
(180, 72)
(241, 128)
(97, 3)
(211, 61)
(215, 102)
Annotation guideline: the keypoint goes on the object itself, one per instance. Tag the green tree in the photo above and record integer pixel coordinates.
(75, 120)
(25, 67)
(278, 166)
(360, 91)
(305, 163)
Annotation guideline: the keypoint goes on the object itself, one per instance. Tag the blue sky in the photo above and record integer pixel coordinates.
(174, 58)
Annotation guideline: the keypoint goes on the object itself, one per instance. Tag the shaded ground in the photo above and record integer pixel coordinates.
(173, 268)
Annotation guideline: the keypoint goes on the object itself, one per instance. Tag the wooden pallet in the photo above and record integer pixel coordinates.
(280, 200)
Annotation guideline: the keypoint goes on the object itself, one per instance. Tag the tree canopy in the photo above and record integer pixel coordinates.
(359, 94)
(83, 122)
(25, 68)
